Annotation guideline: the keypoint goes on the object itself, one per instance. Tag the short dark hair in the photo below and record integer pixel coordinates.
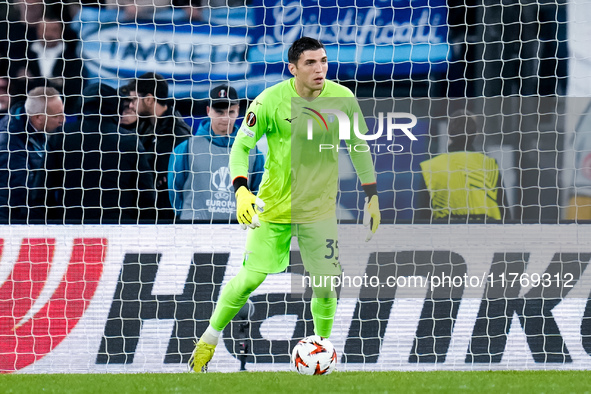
(301, 45)
(463, 125)
(151, 83)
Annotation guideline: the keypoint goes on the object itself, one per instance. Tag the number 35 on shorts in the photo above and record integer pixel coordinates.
(332, 247)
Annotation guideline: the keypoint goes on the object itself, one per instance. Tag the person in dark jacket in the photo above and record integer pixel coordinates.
(161, 129)
(45, 53)
(101, 175)
(23, 140)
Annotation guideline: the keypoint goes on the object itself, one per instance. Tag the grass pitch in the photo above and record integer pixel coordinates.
(289, 382)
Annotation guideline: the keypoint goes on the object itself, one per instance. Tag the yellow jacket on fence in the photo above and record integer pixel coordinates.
(463, 184)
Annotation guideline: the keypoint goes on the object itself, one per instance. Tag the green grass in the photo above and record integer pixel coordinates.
(521, 382)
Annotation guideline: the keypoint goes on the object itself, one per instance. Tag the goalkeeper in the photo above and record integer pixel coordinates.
(298, 192)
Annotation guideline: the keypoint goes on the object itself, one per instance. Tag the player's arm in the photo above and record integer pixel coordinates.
(239, 163)
(250, 132)
(258, 167)
(363, 163)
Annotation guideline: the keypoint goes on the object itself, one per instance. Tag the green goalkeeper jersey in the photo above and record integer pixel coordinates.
(300, 181)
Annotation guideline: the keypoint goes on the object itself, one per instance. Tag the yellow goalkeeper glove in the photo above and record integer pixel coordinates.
(371, 215)
(245, 208)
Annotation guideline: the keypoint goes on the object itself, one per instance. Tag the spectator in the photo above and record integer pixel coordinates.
(462, 184)
(32, 11)
(12, 32)
(48, 56)
(4, 96)
(101, 175)
(23, 140)
(193, 9)
(134, 10)
(226, 3)
(199, 182)
(129, 117)
(161, 129)
(196, 10)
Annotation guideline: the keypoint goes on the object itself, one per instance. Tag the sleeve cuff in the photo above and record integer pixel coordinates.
(238, 182)
(370, 189)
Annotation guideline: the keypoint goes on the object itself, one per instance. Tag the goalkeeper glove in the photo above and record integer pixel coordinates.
(245, 212)
(371, 215)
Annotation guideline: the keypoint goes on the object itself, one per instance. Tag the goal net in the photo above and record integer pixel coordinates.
(119, 230)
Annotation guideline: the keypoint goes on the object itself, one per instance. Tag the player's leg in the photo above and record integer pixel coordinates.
(233, 297)
(323, 307)
(319, 248)
(267, 251)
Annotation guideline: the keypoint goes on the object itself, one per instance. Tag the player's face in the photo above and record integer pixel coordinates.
(223, 119)
(310, 72)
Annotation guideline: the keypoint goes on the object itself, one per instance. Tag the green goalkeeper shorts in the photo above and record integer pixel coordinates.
(267, 247)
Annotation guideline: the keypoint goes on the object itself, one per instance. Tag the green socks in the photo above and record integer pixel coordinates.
(323, 311)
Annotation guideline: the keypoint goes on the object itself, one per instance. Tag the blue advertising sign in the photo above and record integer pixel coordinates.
(190, 56)
(365, 40)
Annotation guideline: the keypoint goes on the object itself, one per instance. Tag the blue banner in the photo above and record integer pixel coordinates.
(365, 40)
(190, 56)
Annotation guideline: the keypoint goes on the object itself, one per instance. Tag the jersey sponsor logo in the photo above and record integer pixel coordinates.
(247, 254)
(251, 119)
(247, 131)
(292, 119)
(36, 312)
(257, 102)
